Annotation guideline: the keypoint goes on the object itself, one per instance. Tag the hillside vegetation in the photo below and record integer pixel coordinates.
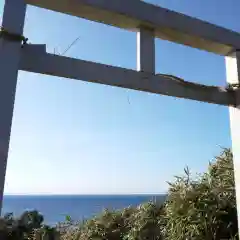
(195, 209)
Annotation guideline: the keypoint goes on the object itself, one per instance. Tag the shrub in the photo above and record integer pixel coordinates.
(204, 208)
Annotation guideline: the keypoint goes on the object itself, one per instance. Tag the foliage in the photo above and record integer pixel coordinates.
(146, 223)
(27, 226)
(203, 208)
(196, 209)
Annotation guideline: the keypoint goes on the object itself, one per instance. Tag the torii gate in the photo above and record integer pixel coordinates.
(149, 21)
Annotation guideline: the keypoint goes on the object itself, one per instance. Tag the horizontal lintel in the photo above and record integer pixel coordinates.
(55, 65)
(168, 25)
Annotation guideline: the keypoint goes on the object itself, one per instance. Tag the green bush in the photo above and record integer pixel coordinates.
(26, 227)
(204, 208)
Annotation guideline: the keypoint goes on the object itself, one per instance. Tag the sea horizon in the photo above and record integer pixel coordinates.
(84, 194)
(55, 207)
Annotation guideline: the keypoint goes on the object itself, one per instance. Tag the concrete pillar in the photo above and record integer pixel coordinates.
(13, 21)
(146, 50)
(233, 76)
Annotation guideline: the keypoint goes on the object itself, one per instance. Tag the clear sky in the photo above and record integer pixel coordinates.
(73, 137)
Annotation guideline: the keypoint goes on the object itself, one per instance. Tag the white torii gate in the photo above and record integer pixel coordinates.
(149, 21)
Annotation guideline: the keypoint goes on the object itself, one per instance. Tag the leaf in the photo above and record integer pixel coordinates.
(68, 218)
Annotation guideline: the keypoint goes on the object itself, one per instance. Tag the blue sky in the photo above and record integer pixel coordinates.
(73, 137)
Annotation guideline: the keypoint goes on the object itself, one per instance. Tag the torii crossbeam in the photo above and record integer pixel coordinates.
(150, 22)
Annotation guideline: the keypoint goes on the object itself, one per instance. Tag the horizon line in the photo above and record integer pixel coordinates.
(83, 194)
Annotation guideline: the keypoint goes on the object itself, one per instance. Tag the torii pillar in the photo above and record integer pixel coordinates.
(13, 20)
(233, 77)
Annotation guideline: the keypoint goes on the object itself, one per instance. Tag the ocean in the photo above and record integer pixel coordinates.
(56, 208)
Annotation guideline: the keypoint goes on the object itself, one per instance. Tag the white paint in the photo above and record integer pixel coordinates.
(146, 50)
(233, 76)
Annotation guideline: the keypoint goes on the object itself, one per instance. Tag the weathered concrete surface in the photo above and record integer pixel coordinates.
(146, 50)
(169, 25)
(13, 21)
(233, 76)
(115, 76)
